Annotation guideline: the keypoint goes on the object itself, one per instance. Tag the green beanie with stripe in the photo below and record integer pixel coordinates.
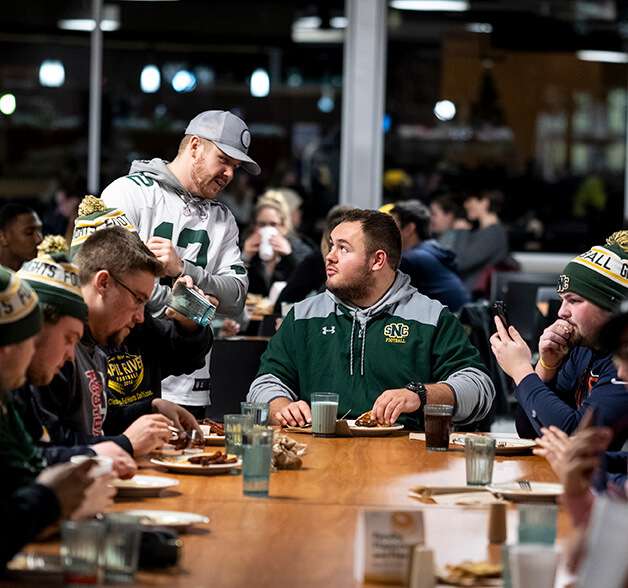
(601, 274)
(20, 313)
(55, 279)
(93, 214)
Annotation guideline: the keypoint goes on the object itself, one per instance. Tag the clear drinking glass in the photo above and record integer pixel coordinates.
(479, 453)
(260, 411)
(191, 304)
(81, 544)
(235, 425)
(257, 451)
(121, 547)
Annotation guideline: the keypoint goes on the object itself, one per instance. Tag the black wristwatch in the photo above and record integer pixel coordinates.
(419, 389)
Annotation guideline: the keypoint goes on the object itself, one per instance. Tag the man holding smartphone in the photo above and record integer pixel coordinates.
(574, 371)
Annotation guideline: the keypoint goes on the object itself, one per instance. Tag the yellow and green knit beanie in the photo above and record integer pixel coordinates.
(601, 274)
(55, 279)
(93, 214)
(20, 313)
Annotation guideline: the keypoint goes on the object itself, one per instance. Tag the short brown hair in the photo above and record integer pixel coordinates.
(118, 251)
(380, 232)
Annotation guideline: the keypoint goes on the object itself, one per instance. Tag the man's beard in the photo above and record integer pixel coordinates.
(358, 288)
(202, 181)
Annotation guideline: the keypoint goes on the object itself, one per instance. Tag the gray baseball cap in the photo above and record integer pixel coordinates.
(228, 132)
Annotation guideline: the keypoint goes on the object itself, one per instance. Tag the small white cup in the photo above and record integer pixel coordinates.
(103, 465)
(266, 252)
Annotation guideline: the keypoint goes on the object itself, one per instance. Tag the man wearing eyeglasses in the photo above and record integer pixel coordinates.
(94, 396)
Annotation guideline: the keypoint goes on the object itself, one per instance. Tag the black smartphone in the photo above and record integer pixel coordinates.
(499, 309)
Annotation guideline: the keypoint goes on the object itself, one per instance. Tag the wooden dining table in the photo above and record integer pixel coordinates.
(303, 534)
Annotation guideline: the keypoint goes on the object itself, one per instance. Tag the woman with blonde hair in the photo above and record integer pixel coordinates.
(272, 250)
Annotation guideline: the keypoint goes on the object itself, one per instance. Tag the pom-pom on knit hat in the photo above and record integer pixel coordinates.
(93, 214)
(20, 313)
(55, 279)
(601, 274)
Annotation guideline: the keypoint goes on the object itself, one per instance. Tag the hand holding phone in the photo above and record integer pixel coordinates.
(499, 309)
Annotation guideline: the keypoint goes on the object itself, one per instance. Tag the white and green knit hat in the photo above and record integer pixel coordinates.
(20, 313)
(55, 279)
(601, 274)
(93, 214)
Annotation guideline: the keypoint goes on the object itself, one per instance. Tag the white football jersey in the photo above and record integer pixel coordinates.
(205, 236)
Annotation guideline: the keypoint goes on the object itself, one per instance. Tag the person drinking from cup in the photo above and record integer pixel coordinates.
(272, 251)
(372, 338)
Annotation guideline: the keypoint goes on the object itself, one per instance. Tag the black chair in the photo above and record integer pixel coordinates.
(519, 290)
(477, 320)
(233, 365)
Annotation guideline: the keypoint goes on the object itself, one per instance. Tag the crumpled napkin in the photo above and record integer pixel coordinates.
(286, 453)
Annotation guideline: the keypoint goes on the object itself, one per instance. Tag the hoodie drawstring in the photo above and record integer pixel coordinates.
(351, 352)
(362, 336)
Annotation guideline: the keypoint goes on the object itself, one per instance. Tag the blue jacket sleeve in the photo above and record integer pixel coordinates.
(558, 407)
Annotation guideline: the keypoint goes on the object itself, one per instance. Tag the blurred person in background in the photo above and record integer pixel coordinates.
(286, 250)
(478, 249)
(447, 215)
(431, 268)
(20, 233)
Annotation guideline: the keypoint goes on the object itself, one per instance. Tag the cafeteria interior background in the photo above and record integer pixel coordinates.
(529, 96)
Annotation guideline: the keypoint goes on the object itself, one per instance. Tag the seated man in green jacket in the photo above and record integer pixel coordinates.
(372, 338)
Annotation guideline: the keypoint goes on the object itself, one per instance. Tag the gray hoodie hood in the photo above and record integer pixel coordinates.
(157, 169)
(399, 290)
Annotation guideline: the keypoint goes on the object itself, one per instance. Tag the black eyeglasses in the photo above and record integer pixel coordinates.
(138, 300)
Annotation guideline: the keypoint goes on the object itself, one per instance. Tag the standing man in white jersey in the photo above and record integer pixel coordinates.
(174, 209)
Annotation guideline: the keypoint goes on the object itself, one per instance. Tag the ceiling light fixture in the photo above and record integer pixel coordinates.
(431, 5)
(602, 56)
(110, 21)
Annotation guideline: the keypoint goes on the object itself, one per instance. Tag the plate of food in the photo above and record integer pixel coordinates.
(469, 573)
(527, 492)
(205, 463)
(363, 426)
(504, 445)
(143, 486)
(213, 432)
(35, 568)
(179, 521)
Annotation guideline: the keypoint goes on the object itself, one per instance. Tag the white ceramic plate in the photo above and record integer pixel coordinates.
(503, 445)
(180, 464)
(539, 492)
(143, 486)
(371, 431)
(168, 518)
(35, 568)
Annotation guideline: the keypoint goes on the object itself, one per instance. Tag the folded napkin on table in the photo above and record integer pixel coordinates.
(286, 453)
(452, 495)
